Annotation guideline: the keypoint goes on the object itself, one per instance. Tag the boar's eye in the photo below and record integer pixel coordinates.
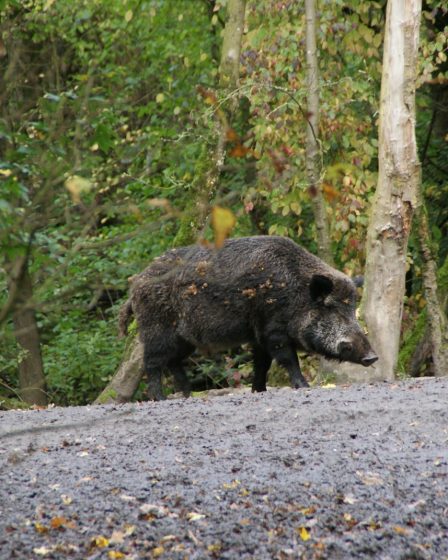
(320, 287)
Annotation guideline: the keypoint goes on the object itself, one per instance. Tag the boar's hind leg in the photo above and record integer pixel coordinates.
(166, 357)
(154, 363)
(262, 363)
(180, 378)
(285, 355)
(184, 349)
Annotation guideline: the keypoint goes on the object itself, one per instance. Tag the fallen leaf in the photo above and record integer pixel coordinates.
(194, 516)
(370, 478)
(58, 522)
(40, 528)
(129, 530)
(117, 537)
(308, 511)
(349, 499)
(100, 542)
(127, 498)
(168, 538)
(304, 534)
(115, 555)
(158, 551)
(42, 551)
(401, 530)
(230, 485)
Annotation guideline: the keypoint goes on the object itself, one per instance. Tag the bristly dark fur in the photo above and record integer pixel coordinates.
(124, 318)
(265, 290)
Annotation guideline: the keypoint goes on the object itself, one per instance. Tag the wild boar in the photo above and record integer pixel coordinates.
(264, 290)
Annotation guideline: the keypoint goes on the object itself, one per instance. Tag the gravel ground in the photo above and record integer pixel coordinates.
(351, 472)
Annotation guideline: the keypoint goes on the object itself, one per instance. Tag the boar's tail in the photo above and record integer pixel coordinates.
(124, 318)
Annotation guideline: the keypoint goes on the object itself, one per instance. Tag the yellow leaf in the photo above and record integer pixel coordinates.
(128, 15)
(115, 555)
(100, 542)
(401, 530)
(129, 529)
(5, 172)
(304, 534)
(223, 221)
(308, 510)
(214, 547)
(77, 185)
(158, 551)
(160, 98)
(40, 528)
(167, 538)
(231, 485)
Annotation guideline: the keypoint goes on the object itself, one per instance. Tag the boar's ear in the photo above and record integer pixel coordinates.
(320, 287)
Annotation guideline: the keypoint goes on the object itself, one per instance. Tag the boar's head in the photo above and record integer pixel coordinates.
(330, 328)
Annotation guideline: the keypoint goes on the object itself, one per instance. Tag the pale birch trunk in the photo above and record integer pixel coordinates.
(398, 184)
(313, 156)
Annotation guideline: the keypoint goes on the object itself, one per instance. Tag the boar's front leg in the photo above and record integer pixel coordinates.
(284, 353)
(262, 363)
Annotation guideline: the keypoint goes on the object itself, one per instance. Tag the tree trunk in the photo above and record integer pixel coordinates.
(313, 155)
(125, 382)
(398, 185)
(436, 317)
(229, 68)
(208, 169)
(31, 371)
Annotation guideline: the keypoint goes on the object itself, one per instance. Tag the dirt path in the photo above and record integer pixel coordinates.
(352, 472)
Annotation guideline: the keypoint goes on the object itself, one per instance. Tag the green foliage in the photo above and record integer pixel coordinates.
(104, 138)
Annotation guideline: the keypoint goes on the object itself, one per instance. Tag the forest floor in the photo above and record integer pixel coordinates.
(356, 471)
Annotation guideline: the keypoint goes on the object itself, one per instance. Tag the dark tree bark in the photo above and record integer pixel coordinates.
(31, 371)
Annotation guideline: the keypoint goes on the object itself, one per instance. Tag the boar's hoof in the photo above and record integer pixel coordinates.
(370, 359)
(300, 385)
(258, 388)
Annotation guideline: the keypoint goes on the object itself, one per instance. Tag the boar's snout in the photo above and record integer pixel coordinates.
(370, 359)
(349, 352)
